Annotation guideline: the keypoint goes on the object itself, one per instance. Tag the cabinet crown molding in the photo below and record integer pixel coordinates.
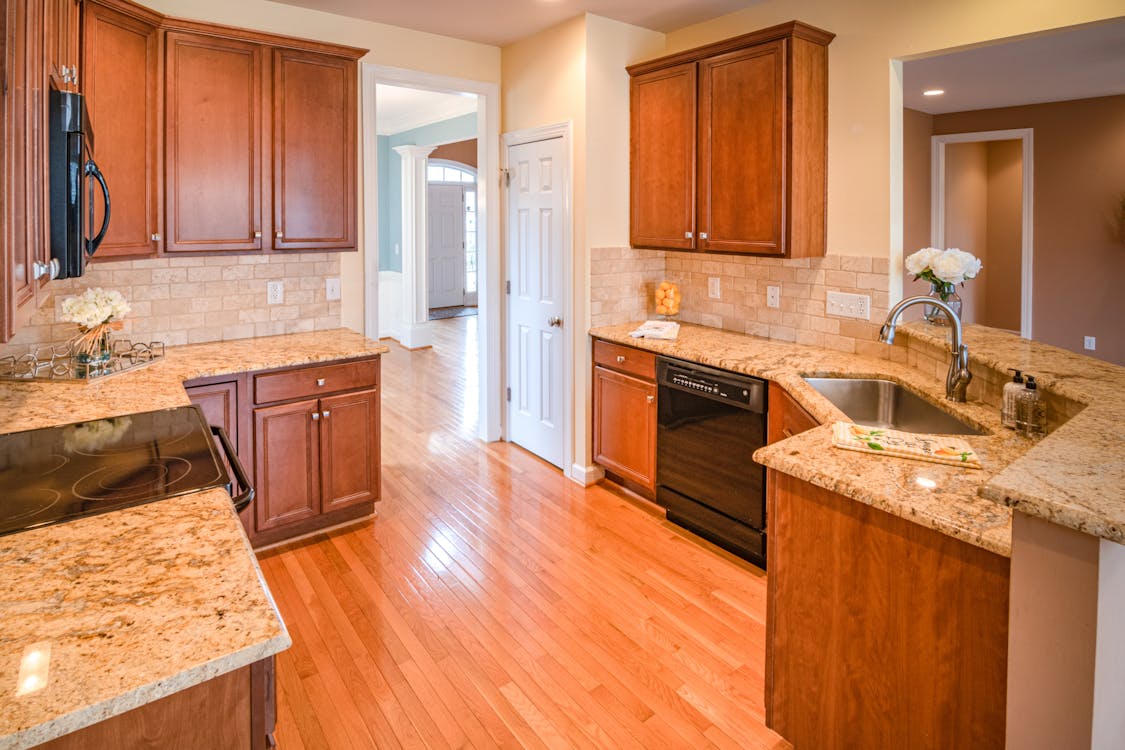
(781, 31)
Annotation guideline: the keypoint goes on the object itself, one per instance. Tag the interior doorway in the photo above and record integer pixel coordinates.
(452, 238)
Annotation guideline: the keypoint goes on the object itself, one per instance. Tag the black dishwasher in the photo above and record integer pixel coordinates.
(709, 423)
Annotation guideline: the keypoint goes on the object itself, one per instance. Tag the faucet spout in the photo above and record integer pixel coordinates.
(958, 377)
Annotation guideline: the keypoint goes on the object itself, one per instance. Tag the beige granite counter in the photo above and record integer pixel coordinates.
(945, 498)
(136, 604)
(1074, 477)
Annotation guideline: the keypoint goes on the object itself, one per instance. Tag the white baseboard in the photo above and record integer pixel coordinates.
(586, 475)
(417, 336)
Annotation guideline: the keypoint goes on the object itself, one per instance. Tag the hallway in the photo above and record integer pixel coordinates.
(495, 603)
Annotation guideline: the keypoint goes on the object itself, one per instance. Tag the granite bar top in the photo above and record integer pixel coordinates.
(1075, 476)
(945, 498)
(127, 607)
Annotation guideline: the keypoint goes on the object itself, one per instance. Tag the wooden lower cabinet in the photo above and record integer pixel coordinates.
(880, 633)
(349, 449)
(286, 463)
(625, 426)
(786, 417)
(234, 711)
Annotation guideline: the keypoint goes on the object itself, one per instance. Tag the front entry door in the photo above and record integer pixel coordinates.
(537, 262)
(446, 245)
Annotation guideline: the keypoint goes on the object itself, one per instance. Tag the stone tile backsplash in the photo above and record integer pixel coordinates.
(622, 281)
(193, 300)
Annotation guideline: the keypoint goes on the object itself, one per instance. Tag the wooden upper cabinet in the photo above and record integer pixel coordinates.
(314, 151)
(757, 176)
(120, 78)
(662, 157)
(213, 126)
(63, 24)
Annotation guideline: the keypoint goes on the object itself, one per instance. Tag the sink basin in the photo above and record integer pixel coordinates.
(881, 403)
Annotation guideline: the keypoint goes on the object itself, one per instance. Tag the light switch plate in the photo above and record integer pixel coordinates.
(773, 296)
(332, 288)
(275, 292)
(713, 289)
(1090, 343)
(849, 305)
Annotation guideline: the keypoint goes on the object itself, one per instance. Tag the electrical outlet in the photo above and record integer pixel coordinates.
(713, 290)
(773, 296)
(849, 305)
(332, 289)
(275, 292)
(1090, 343)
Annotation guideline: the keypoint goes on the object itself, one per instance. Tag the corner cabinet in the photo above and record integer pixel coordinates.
(624, 427)
(728, 146)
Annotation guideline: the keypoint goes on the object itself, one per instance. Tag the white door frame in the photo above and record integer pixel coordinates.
(937, 202)
(516, 138)
(489, 251)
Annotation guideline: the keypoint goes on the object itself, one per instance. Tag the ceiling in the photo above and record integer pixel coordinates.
(501, 22)
(398, 108)
(1077, 62)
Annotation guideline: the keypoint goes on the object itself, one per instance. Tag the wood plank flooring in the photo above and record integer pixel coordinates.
(494, 603)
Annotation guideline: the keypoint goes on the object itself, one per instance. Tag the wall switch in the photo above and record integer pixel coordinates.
(1090, 343)
(773, 296)
(849, 305)
(332, 289)
(275, 292)
(397, 250)
(713, 290)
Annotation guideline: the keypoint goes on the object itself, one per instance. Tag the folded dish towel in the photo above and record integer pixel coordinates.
(657, 329)
(940, 449)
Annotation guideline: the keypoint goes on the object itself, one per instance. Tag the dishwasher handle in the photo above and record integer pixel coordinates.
(242, 499)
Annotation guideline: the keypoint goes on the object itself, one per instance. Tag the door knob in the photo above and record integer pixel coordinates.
(554, 321)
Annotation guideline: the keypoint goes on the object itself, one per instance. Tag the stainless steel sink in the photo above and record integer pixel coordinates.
(881, 403)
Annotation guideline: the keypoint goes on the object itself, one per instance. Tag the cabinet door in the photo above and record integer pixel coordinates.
(314, 152)
(213, 107)
(625, 426)
(741, 141)
(286, 463)
(662, 158)
(119, 78)
(62, 43)
(786, 417)
(349, 449)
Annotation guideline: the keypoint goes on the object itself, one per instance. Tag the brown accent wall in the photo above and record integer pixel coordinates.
(917, 127)
(1079, 174)
(462, 152)
(966, 218)
(1004, 235)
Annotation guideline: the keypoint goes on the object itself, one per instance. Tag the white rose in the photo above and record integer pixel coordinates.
(949, 268)
(918, 262)
(970, 264)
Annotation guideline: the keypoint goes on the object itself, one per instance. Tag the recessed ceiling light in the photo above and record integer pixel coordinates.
(933, 92)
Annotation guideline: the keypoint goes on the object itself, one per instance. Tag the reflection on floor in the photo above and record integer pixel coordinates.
(444, 313)
(495, 603)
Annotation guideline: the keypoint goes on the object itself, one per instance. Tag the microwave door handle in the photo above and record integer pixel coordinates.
(93, 244)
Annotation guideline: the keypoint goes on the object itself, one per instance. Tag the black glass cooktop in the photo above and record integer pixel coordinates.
(61, 473)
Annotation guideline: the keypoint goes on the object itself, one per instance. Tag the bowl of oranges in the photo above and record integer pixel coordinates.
(667, 297)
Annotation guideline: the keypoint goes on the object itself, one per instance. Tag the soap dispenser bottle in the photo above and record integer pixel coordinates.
(1008, 399)
(1031, 412)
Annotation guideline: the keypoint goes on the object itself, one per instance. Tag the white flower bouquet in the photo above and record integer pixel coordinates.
(942, 267)
(97, 311)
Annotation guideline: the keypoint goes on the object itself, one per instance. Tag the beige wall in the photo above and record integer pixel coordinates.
(1077, 166)
(917, 128)
(966, 217)
(869, 35)
(1004, 237)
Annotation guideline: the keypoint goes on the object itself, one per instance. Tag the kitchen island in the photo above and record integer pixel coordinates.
(105, 614)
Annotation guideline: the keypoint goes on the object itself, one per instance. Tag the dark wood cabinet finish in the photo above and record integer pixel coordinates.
(286, 463)
(213, 125)
(315, 380)
(880, 633)
(314, 151)
(349, 449)
(624, 424)
(786, 417)
(120, 79)
(757, 180)
(63, 26)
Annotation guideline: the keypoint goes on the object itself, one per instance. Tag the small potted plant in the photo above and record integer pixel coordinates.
(98, 312)
(944, 269)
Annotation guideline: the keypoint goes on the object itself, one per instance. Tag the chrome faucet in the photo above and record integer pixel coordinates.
(958, 377)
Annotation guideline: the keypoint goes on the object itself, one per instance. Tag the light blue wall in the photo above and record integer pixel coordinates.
(390, 178)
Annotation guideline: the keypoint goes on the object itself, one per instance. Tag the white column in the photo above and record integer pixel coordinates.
(415, 330)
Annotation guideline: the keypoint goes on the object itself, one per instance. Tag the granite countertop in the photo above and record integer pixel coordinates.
(139, 603)
(945, 498)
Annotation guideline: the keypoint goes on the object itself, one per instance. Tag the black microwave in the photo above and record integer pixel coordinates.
(76, 184)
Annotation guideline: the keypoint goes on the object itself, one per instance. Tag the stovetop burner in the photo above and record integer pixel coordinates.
(60, 473)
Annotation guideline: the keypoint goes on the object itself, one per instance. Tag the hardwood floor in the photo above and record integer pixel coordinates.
(494, 603)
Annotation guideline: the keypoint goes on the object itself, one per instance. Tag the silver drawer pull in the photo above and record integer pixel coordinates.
(315, 415)
(620, 358)
(326, 413)
(320, 381)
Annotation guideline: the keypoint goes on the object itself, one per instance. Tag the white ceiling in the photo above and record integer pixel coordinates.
(501, 22)
(1078, 62)
(398, 108)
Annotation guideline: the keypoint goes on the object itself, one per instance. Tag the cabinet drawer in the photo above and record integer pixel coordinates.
(625, 359)
(315, 381)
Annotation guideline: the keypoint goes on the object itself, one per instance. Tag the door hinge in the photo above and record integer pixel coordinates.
(505, 177)
(508, 287)
(509, 390)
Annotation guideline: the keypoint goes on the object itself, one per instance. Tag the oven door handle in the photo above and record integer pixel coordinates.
(244, 498)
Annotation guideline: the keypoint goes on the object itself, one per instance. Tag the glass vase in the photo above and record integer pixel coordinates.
(94, 361)
(947, 293)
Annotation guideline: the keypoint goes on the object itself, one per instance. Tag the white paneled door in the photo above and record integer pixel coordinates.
(446, 245)
(537, 211)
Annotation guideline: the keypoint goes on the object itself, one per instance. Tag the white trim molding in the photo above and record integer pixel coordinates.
(937, 203)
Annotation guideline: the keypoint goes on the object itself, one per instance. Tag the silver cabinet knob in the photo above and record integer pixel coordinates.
(279, 234)
(321, 381)
(326, 413)
(687, 235)
(39, 269)
(56, 268)
(155, 236)
(554, 321)
(620, 358)
(650, 399)
(257, 235)
(315, 415)
(702, 235)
